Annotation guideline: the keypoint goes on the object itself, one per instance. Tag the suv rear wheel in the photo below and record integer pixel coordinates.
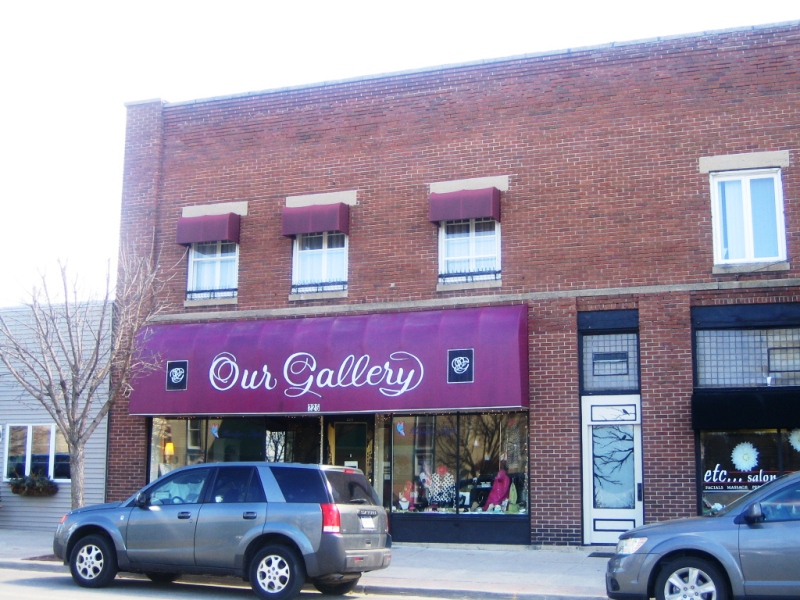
(691, 577)
(276, 573)
(92, 562)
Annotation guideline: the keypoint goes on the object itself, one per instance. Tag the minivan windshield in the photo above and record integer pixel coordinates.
(743, 500)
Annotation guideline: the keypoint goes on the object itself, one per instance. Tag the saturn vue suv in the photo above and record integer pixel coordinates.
(748, 549)
(276, 525)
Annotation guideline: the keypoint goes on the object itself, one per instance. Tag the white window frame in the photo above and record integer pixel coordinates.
(301, 285)
(447, 278)
(746, 176)
(191, 285)
(28, 448)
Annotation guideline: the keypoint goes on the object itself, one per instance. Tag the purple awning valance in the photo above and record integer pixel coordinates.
(465, 204)
(316, 219)
(449, 360)
(209, 228)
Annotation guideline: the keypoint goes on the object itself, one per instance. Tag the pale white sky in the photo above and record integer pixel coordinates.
(68, 67)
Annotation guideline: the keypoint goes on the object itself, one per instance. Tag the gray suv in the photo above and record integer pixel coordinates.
(749, 549)
(276, 525)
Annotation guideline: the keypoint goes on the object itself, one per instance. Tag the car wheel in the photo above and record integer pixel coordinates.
(276, 573)
(93, 563)
(162, 577)
(336, 589)
(691, 578)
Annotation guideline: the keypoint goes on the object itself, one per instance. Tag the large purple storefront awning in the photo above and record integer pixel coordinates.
(464, 359)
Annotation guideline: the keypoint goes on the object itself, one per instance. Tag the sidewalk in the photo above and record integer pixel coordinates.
(436, 571)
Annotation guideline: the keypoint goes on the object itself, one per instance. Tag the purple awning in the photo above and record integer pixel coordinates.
(209, 228)
(465, 204)
(447, 360)
(316, 219)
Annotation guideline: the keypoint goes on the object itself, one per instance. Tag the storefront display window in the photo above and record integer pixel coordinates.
(179, 442)
(467, 464)
(734, 462)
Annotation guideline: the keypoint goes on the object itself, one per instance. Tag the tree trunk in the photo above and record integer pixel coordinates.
(77, 455)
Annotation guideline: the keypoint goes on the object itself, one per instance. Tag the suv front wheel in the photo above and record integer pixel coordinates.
(691, 577)
(276, 573)
(93, 562)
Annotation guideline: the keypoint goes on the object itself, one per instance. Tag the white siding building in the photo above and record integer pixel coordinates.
(29, 439)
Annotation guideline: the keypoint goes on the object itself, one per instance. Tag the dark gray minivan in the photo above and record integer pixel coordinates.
(276, 525)
(748, 549)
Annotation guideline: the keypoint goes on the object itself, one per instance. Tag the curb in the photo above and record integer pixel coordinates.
(448, 594)
(34, 565)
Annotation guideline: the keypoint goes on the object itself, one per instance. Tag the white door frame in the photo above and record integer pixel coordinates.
(603, 525)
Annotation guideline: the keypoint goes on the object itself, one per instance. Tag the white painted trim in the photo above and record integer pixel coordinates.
(349, 197)
(222, 208)
(478, 183)
(749, 160)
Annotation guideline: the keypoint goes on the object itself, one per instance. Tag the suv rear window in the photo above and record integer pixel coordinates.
(351, 488)
(301, 485)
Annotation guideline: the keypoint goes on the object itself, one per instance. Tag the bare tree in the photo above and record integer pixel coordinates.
(76, 357)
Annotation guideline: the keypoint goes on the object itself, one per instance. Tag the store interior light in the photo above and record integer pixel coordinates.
(169, 449)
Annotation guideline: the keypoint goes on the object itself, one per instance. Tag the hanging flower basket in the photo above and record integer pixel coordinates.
(33, 486)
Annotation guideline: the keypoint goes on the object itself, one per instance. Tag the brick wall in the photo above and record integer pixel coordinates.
(606, 209)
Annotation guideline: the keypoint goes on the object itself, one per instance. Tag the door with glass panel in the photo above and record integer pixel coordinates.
(612, 467)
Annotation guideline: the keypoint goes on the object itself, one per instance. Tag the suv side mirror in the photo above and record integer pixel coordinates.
(753, 513)
(142, 500)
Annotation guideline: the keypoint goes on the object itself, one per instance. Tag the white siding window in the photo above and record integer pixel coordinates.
(213, 270)
(319, 262)
(469, 250)
(747, 209)
(35, 450)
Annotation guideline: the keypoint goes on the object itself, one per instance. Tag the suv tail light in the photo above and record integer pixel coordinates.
(331, 519)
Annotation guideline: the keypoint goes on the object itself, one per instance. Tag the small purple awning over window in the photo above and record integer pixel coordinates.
(316, 219)
(209, 228)
(465, 204)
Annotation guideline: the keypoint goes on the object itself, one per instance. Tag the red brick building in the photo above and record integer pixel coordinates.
(537, 300)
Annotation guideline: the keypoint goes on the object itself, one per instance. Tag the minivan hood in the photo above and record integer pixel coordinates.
(686, 525)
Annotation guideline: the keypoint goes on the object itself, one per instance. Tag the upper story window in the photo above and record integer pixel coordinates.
(319, 262)
(213, 240)
(36, 450)
(748, 217)
(320, 244)
(213, 270)
(469, 250)
(469, 232)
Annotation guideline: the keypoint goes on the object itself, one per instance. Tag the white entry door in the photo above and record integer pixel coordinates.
(612, 467)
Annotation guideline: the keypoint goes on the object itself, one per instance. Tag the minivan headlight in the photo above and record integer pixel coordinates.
(630, 545)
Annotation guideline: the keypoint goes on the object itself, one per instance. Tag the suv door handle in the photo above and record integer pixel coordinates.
(249, 515)
(184, 515)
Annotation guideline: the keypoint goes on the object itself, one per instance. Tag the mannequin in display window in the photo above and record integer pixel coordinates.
(443, 486)
(499, 491)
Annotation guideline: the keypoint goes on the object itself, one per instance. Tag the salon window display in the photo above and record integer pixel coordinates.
(734, 462)
(462, 464)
